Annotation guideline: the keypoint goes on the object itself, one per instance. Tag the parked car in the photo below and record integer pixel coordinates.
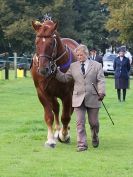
(108, 60)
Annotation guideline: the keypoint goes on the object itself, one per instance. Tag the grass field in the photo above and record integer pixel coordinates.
(23, 133)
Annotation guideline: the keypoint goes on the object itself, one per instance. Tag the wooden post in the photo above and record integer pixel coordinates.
(0, 74)
(6, 67)
(6, 70)
(15, 63)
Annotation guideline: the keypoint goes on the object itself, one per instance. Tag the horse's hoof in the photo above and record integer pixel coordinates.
(50, 145)
(66, 141)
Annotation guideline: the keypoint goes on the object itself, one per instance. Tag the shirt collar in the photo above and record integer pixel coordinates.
(85, 62)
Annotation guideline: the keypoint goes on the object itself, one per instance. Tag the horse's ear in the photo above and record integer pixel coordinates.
(55, 25)
(36, 25)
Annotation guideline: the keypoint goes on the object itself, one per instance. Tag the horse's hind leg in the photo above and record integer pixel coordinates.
(64, 135)
(56, 107)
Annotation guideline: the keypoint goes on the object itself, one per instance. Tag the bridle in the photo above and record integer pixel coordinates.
(52, 58)
(52, 64)
(54, 47)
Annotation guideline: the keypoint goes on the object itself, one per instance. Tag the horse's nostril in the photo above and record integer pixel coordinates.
(44, 71)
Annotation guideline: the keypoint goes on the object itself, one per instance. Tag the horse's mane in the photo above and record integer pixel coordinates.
(71, 40)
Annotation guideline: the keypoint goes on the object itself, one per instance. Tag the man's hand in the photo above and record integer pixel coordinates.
(101, 96)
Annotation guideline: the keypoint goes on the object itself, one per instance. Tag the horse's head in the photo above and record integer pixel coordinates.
(46, 45)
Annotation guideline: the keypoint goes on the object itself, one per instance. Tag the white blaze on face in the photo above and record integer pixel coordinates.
(43, 39)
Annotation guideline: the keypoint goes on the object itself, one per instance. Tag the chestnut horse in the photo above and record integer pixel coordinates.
(53, 51)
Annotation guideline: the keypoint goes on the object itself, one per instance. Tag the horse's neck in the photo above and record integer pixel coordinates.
(61, 47)
(66, 44)
(66, 54)
(72, 45)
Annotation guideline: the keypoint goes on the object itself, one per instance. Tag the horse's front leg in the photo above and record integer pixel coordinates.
(48, 117)
(55, 108)
(64, 134)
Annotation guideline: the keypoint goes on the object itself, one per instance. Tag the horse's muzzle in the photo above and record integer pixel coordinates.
(44, 71)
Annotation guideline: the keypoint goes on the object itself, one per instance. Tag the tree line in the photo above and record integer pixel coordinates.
(79, 20)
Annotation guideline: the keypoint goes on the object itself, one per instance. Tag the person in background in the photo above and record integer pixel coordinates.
(79, 41)
(121, 67)
(84, 72)
(127, 53)
(3, 54)
(95, 56)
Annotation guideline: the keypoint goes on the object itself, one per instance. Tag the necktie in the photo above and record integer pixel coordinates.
(83, 68)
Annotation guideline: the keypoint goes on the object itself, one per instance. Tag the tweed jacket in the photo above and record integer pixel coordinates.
(83, 88)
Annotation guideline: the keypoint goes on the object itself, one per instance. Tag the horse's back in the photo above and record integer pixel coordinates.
(72, 44)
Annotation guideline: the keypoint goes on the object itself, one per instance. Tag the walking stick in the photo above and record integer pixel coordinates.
(103, 104)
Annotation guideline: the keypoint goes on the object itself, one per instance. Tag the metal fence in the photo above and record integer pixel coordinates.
(19, 66)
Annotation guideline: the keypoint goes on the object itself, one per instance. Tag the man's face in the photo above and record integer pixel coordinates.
(121, 54)
(92, 52)
(81, 56)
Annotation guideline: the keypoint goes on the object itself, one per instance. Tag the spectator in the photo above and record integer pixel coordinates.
(79, 41)
(127, 53)
(122, 68)
(95, 56)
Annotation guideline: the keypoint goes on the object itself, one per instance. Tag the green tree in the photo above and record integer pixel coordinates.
(16, 17)
(121, 19)
(64, 12)
(77, 19)
(90, 22)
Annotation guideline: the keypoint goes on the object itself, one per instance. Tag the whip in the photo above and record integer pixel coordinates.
(103, 104)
